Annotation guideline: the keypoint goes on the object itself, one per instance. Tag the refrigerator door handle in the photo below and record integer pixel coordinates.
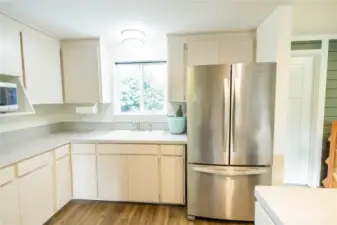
(233, 111)
(226, 116)
(229, 172)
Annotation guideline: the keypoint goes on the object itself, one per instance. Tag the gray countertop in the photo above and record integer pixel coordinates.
(21, 151)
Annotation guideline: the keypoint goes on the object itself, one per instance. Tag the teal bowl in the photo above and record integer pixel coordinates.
(176, 125)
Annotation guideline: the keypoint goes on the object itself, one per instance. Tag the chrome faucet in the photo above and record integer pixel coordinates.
(150, 127)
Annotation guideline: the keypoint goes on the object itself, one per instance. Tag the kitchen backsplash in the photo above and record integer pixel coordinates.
(50, 114)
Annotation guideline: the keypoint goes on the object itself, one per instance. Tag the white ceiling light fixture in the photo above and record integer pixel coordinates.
(133, 36)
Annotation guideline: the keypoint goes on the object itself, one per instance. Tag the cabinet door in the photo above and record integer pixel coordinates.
(172, 185)
(84, 176)
(10, 49)
(143, 178)
(176, 69)
(202, 53)
(63, 182)
(261, 216)
(112, 177)
(36, 196)
(9, 205)
(236, 51)
(42, 67)
(81, 71)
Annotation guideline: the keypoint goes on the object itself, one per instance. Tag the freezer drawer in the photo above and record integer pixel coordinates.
(224, 192)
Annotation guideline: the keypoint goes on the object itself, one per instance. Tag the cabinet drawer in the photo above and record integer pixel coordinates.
(6, 175)
(83, 148)
(61, 151)
(32, 164)
(172, 150)
(127, 149)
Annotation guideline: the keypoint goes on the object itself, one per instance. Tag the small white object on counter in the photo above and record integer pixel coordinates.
(298, 205)
(87, 110)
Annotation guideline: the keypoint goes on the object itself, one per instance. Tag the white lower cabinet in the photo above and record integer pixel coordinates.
(141, 173)
(172, 179)
(261, 216)
(9, 204)
(63, 181)
(42, 185)
(112, 171)
(36, 196)
(84, 176)
(143, 178)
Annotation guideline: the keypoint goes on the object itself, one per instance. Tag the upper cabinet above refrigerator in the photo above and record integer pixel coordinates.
(204, 49)
(219, 52)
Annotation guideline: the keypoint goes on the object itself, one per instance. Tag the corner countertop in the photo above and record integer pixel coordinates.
(25, 150)
(298, 205)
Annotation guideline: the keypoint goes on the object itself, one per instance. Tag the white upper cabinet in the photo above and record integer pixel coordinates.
(240, 50)
(176, 69)
(10, 49)
(81, 61)
(204, 49)
(220, 52)
(203, 53)
(42, 67)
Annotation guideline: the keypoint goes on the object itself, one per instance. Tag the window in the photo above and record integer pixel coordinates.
(140, 88)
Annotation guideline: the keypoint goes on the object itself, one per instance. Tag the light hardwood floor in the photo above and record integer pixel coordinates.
(106, 213)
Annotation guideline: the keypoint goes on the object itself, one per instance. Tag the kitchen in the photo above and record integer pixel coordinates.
(83, 128)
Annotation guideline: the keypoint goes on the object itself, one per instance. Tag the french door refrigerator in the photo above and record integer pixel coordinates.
(230, 111)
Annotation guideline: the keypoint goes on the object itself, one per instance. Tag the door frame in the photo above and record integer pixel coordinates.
(320, 57)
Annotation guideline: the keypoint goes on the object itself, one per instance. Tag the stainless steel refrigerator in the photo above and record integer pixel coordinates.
(230, 112)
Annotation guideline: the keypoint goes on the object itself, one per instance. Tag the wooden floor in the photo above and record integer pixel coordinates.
(105, 213)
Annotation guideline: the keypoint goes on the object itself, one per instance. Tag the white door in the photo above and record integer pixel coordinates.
(9, 205)
(84, 176)
(172, 179)
(143, 178)
(63, 182)
(112, 171)
(36, 196)
(300, 97)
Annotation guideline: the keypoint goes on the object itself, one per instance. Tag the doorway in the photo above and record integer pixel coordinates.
(302, 101)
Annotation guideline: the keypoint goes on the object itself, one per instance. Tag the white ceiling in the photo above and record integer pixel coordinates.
(78, 18)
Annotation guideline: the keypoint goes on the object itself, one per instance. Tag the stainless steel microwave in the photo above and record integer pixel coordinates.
(8, 97)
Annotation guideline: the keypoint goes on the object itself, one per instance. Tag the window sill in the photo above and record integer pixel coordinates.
(122, 117)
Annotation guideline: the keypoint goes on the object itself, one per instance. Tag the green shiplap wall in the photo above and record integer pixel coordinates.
(330, 112)
(305, 45)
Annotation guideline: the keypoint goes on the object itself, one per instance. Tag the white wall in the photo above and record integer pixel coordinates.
(44, 115)
(315, 18)
(274, 45)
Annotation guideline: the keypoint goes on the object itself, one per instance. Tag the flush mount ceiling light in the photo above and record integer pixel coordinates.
(133, 36)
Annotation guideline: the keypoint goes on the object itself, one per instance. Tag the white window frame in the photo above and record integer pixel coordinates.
(139, 116)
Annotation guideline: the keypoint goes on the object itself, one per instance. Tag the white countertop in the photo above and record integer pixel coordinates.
(299, 206)
(13, 154)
